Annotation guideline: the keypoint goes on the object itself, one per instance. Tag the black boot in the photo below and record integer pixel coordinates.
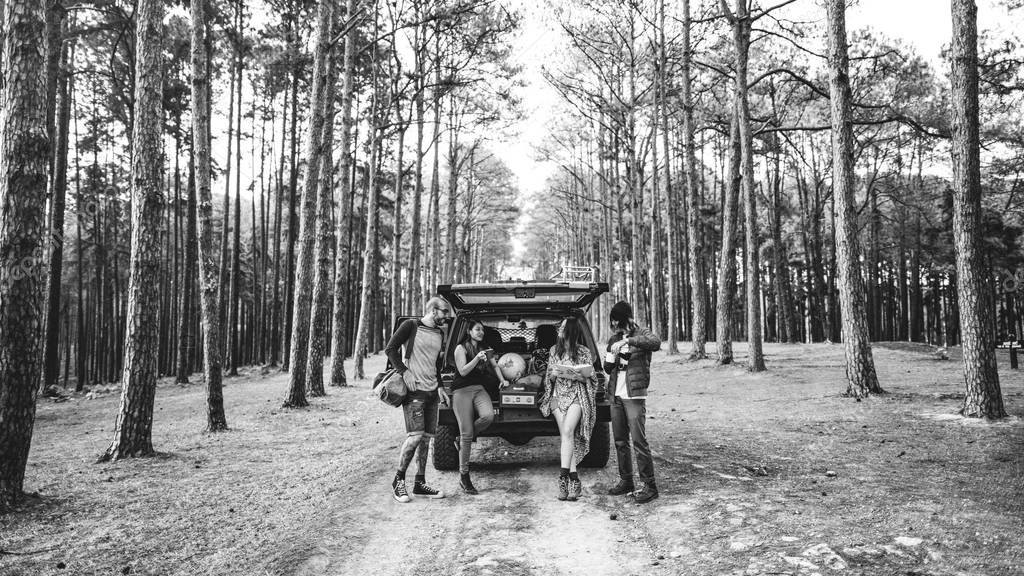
(623, 487)
(647, 493)
(467, 484)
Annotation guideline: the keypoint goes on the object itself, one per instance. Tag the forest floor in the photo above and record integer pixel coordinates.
(773, 473)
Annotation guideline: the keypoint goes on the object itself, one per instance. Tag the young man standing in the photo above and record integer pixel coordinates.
(426, 336)
(628, 365)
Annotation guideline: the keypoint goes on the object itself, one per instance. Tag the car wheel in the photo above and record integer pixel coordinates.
(600, 447)
(446, 457)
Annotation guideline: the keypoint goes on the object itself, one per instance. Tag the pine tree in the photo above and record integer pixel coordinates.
(24, 151)
(134, 427)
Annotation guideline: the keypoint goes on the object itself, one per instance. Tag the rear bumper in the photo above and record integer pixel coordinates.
(519, 422)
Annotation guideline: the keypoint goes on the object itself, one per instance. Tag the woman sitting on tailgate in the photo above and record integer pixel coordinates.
(475, 368)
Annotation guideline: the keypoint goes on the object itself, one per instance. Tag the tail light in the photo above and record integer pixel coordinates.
(447, 379)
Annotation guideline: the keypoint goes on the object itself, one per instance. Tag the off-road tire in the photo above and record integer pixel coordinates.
(600, 446)
(446, 457)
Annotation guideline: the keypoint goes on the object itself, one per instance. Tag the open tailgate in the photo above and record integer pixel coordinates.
(522, 296)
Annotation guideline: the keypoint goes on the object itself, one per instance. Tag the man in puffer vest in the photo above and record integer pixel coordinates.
(628, 364)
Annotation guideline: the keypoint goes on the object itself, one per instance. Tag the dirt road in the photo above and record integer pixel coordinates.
(773, 473)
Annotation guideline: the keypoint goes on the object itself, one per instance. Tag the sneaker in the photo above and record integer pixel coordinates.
(563, 487)
(422, 489)
(646, 494)
(400, 492)
(575, 489)
(467, 485)
(623, 487)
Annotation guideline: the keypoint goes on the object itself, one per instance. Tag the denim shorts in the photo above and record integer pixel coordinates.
(420, 410)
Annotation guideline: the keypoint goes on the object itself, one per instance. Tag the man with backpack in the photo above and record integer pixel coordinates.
(423, 339)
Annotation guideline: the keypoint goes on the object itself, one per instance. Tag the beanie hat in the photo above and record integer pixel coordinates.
(621, 312)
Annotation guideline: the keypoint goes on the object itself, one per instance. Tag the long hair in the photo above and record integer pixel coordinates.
(467, 342)
(467, 338)
(569, 340)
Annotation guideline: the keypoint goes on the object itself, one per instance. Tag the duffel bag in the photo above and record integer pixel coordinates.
(390, 387)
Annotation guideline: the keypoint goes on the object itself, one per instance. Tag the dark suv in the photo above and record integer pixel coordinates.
(520, 318)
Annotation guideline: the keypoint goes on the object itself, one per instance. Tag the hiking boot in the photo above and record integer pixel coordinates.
(563, 487)
(575, 489)
(623, 487)
(467, 485)
(647, 493)
(422, 489)
(400, 492)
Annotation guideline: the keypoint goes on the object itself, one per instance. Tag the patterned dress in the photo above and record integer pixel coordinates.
(561, 392)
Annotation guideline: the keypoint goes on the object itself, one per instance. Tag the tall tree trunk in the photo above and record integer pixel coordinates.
(325, 243)
(435, 178)
(787, 320)
(133, 430)
(58, 191)
(339, 325)
(303, 291)
(454, 152)
(233, 347)
(984, 397)
(727, 254)
(363, 333)
(741, 23)
(670, 193)
(293, 187)
(209, 273)
(24, 153)
(275, 323)
(697, 284)
(225, 271)
(191, 255)
(860, 365)
(396, 235)
(414, 289)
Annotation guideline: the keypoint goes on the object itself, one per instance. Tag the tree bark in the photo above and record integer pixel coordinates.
(741, 22)
(727, 253)
(134, 426)
(325, 243)
(339, 325)
(397, 225)
(233, 347)
(293, 187)
(697, 284)
(191, 255)
(24, 153)
(984, 397)
(225, 273)
(860, 365)
(209, 273)
(303, 291)
(58, 191)
(369, 259)
(414, 289)
(670, 193)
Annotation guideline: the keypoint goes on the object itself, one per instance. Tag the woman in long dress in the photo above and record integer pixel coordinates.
(569, 391)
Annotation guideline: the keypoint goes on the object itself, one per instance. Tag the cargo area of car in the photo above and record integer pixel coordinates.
(521, 325)
(528, 338)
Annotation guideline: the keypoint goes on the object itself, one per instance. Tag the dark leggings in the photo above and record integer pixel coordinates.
(466, 401)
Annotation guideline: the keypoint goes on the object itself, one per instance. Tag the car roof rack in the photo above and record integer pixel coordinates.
(576, 274)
